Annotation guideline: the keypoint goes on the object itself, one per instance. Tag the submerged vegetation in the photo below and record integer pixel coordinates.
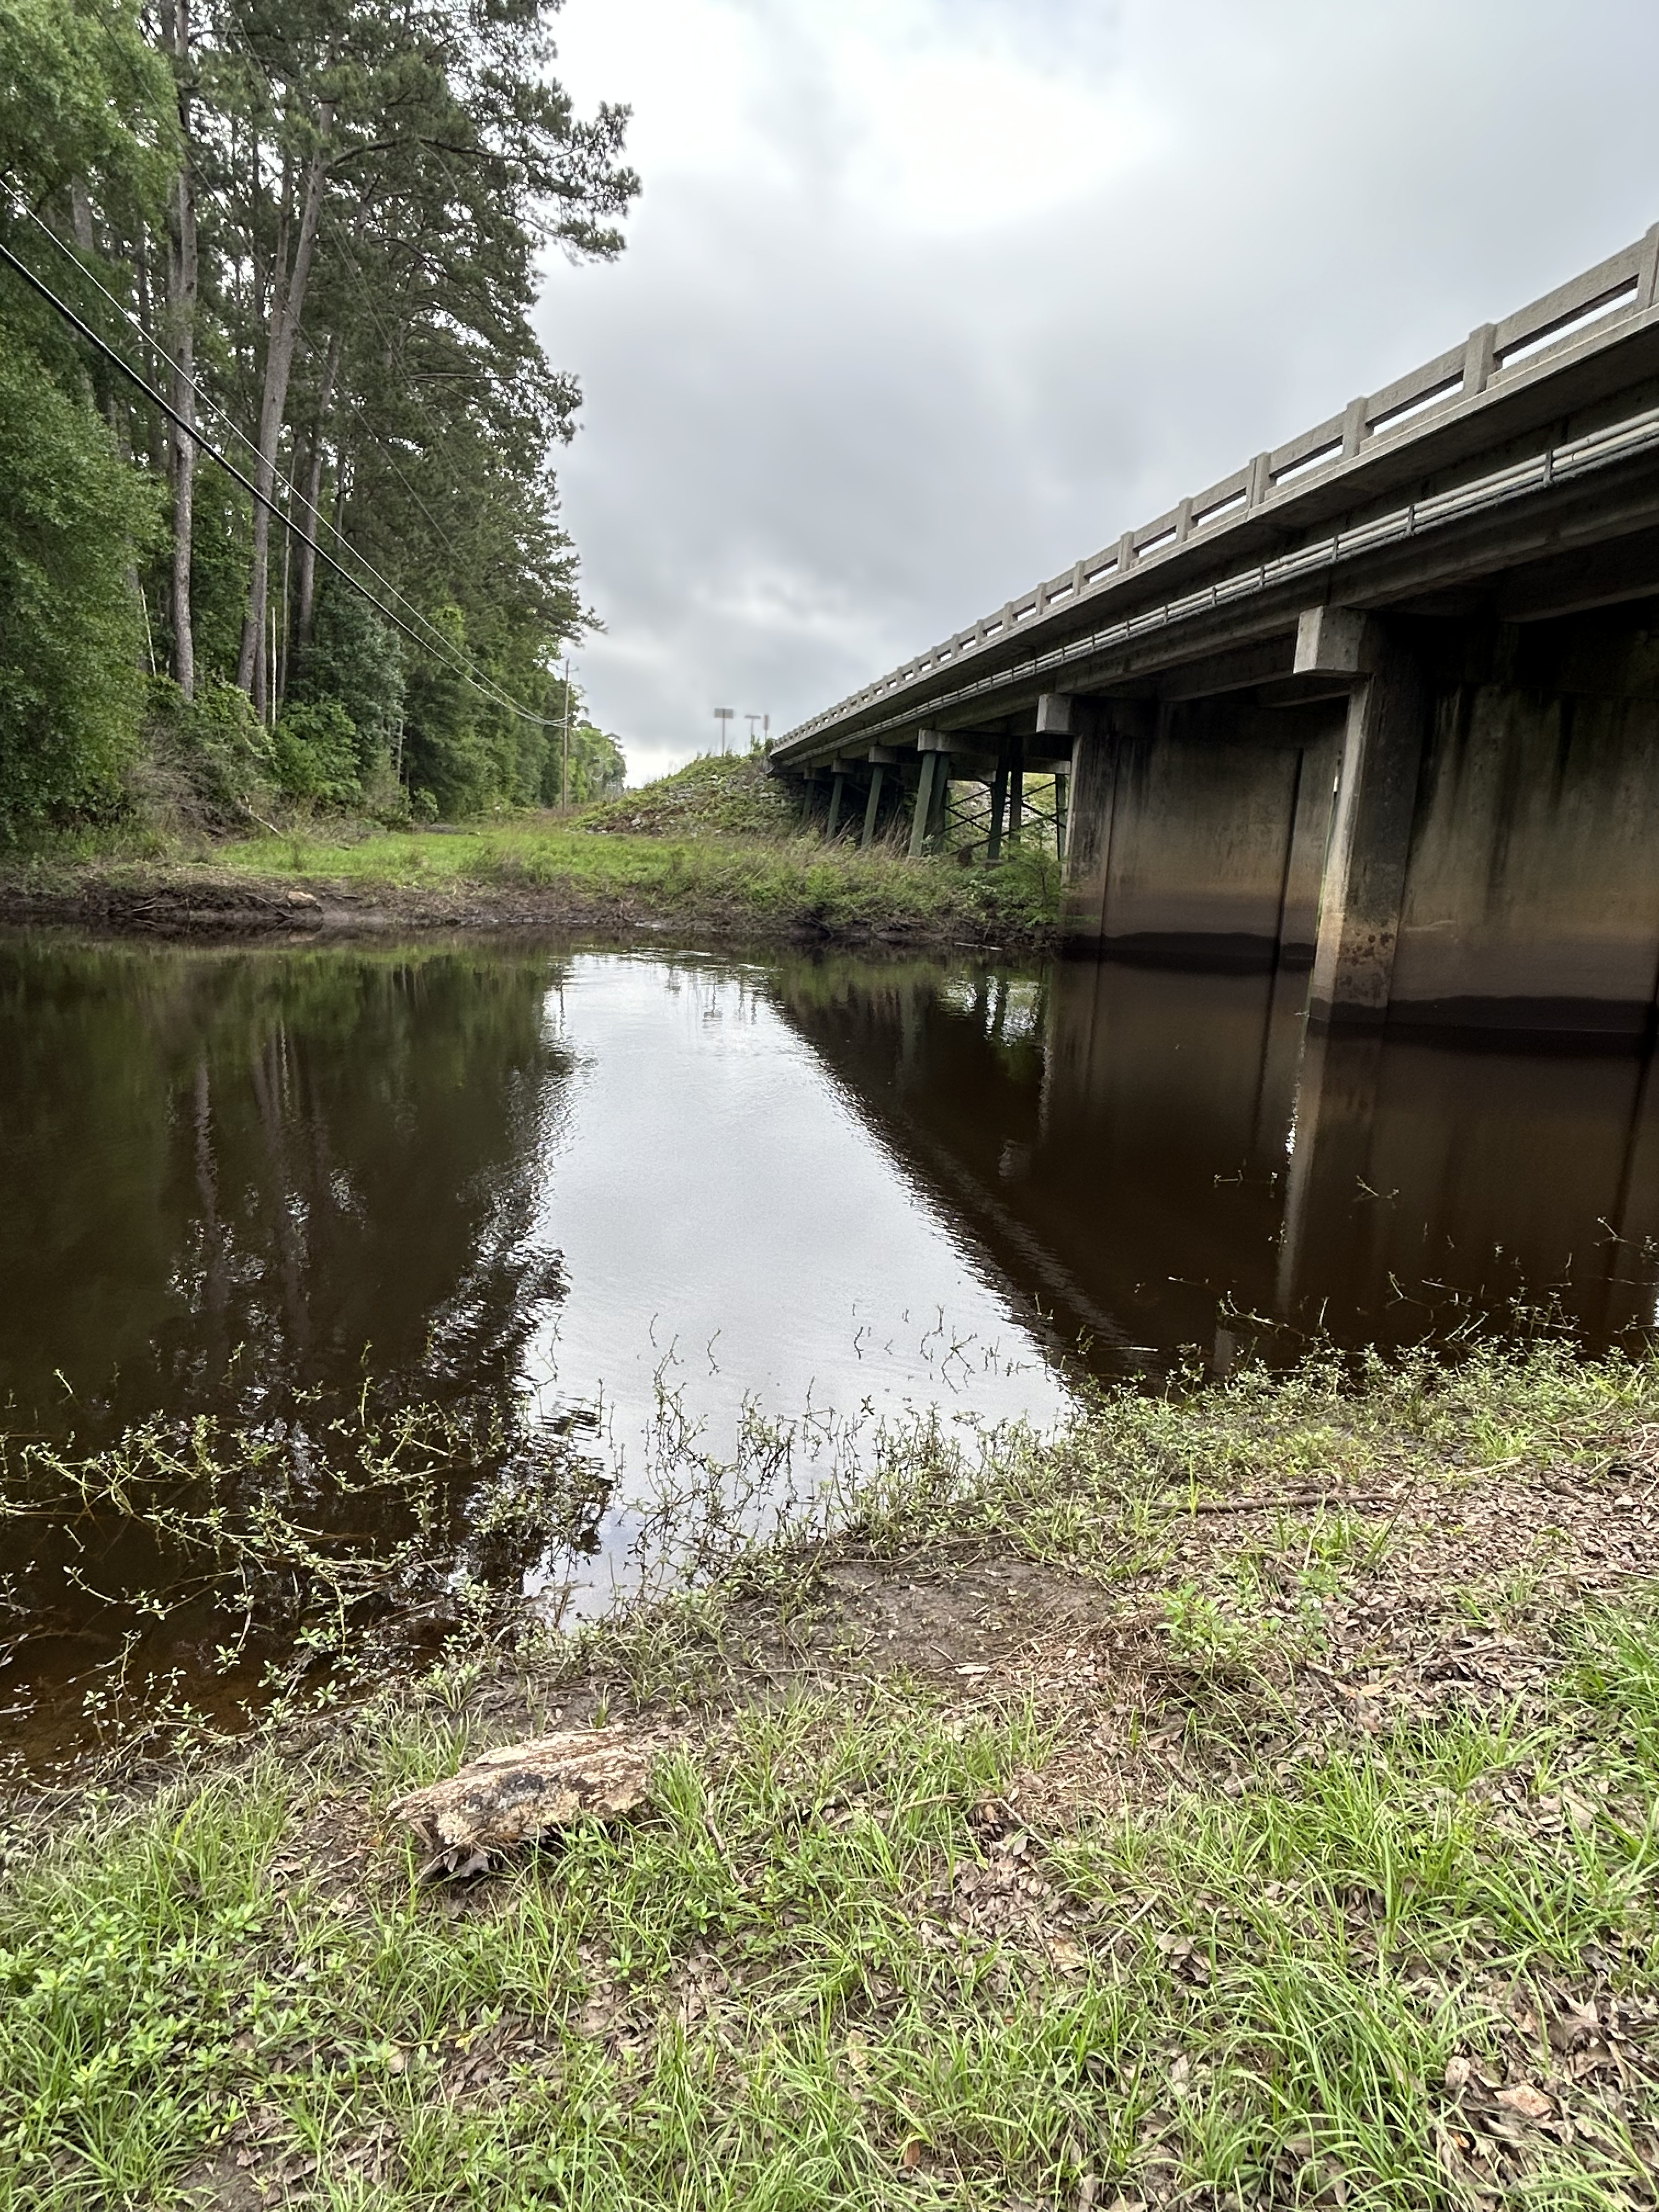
(1240, 1798)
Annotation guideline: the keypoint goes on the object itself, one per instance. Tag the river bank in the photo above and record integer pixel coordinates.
(1246, 1796)
(710, 853)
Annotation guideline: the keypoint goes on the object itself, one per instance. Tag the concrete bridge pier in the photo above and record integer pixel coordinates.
(1197, 832)
(999, 805)
(880, 762)
(878, 786)
(1362, 884)
(1452, 819)
(932, 791)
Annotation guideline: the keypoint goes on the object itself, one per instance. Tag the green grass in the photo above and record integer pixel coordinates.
(722, 794)
(1203, 1933)
(800, 886)
(699, 880)
(711, 849)
(776, 1990)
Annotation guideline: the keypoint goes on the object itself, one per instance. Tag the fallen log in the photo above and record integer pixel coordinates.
(518, 1794)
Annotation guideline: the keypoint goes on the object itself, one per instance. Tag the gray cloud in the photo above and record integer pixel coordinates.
(924, 300)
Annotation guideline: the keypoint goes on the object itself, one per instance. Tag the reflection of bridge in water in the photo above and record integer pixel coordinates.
(1138, 1153)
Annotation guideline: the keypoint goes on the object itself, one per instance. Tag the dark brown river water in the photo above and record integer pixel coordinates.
(623, 1209)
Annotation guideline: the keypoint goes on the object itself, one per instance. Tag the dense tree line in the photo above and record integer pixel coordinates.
(312, 227)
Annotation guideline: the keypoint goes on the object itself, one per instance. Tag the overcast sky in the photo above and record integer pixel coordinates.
(924, 299)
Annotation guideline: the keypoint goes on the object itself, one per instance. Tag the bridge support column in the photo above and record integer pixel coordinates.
(938, 821)
(872, 806)
(921, 823)
(998, 807)
(1096, 729)
(1363, 889)
(837, 793)
(1055, 719)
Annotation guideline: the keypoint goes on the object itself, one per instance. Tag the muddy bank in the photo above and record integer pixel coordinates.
(178, 907)
(201, 903)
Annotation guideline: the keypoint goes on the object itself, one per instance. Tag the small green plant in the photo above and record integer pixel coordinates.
(1235, 1930)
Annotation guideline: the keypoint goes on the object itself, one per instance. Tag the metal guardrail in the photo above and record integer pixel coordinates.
(1561, 463)
(1600, 299)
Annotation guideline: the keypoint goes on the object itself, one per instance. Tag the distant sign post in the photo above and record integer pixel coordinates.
(723, 715)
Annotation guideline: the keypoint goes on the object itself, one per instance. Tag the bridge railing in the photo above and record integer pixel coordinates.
(1571, 460)
(1598, 298)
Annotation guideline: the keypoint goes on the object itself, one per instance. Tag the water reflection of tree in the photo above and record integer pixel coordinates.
(231, 1179)
(272, 1189)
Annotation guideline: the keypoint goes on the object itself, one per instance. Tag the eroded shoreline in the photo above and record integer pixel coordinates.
(558, 880)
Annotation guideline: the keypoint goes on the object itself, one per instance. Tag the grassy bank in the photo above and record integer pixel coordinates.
(711, 850)
(1247, 1800)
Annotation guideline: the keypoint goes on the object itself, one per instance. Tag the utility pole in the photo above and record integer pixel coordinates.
(564, 771)
(723, 715)
(752, 719)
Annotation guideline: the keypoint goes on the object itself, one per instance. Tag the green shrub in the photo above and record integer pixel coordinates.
(353, 661)
(73, 519)
(224, 752)
(315, 752)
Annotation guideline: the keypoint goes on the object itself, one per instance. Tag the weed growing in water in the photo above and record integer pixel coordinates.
(305, 1558)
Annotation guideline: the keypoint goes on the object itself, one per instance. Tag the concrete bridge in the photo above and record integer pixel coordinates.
(1380, 710)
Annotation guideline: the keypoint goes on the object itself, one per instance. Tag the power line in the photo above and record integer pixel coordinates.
(76, 322)
(212, 407)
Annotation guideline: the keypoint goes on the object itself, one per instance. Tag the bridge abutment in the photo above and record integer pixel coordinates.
(1197, 833)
